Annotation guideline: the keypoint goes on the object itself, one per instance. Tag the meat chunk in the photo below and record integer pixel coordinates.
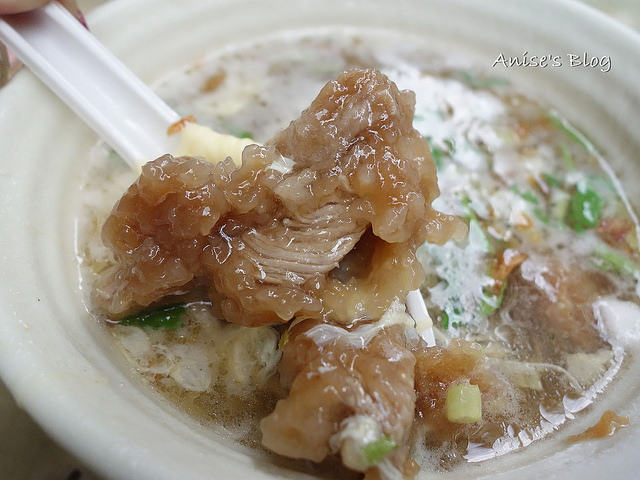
(264, 237)
(337, 379)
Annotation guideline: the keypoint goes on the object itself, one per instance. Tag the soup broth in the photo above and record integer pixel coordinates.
(534, 306)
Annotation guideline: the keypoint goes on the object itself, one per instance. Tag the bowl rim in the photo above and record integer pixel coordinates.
(27, 367)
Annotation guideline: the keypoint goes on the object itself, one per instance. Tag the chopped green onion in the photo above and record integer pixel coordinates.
(491, 303)
(437, 155)
(616, 260)
(166, 317)
(551, 180)
(585, 208)
(530, 197)
(478, 238)
(480, 82)
(377, 450)
(237, 131)
(463, 403)
(245, 134)
(542, 216)
(526, 195)
(444, 320)
(451, 145)
(567, 158)
(571, 131)
(466, 202)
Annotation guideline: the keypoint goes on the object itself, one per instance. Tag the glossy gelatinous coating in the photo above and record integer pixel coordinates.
(267, 238)
(333, 375)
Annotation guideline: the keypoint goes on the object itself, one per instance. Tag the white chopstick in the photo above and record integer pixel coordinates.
(97, 86)
(113, 101)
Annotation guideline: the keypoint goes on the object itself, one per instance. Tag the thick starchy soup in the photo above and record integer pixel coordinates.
(266, 295)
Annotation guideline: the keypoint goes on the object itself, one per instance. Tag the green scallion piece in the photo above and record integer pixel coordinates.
(245, 134)
(585, 208)
(491, 303)
(481, 82)
(376, 451)
(541, 215)
(526, 195)
(551, 180)
(567, 157)
(466, 202)
(571, 131)
(463, 403)
(616, 260)
(437, 155)
(444, 320)
(164, 317)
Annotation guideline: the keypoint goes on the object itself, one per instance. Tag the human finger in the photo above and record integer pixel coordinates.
(9, 64)
(17, 6)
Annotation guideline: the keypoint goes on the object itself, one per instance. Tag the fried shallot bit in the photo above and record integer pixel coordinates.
(350, 392)
(265, 237)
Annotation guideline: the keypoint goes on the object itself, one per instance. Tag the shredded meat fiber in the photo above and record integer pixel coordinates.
(268, 238)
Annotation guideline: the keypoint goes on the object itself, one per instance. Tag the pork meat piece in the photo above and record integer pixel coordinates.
(266, 239)
(347, 390)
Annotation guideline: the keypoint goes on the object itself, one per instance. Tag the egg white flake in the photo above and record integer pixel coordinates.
(619, 319)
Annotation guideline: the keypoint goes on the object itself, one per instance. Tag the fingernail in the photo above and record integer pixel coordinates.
(9, 65)
(80, 17)
(4, 65)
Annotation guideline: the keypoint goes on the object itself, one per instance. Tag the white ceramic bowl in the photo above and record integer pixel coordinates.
(59, 364)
